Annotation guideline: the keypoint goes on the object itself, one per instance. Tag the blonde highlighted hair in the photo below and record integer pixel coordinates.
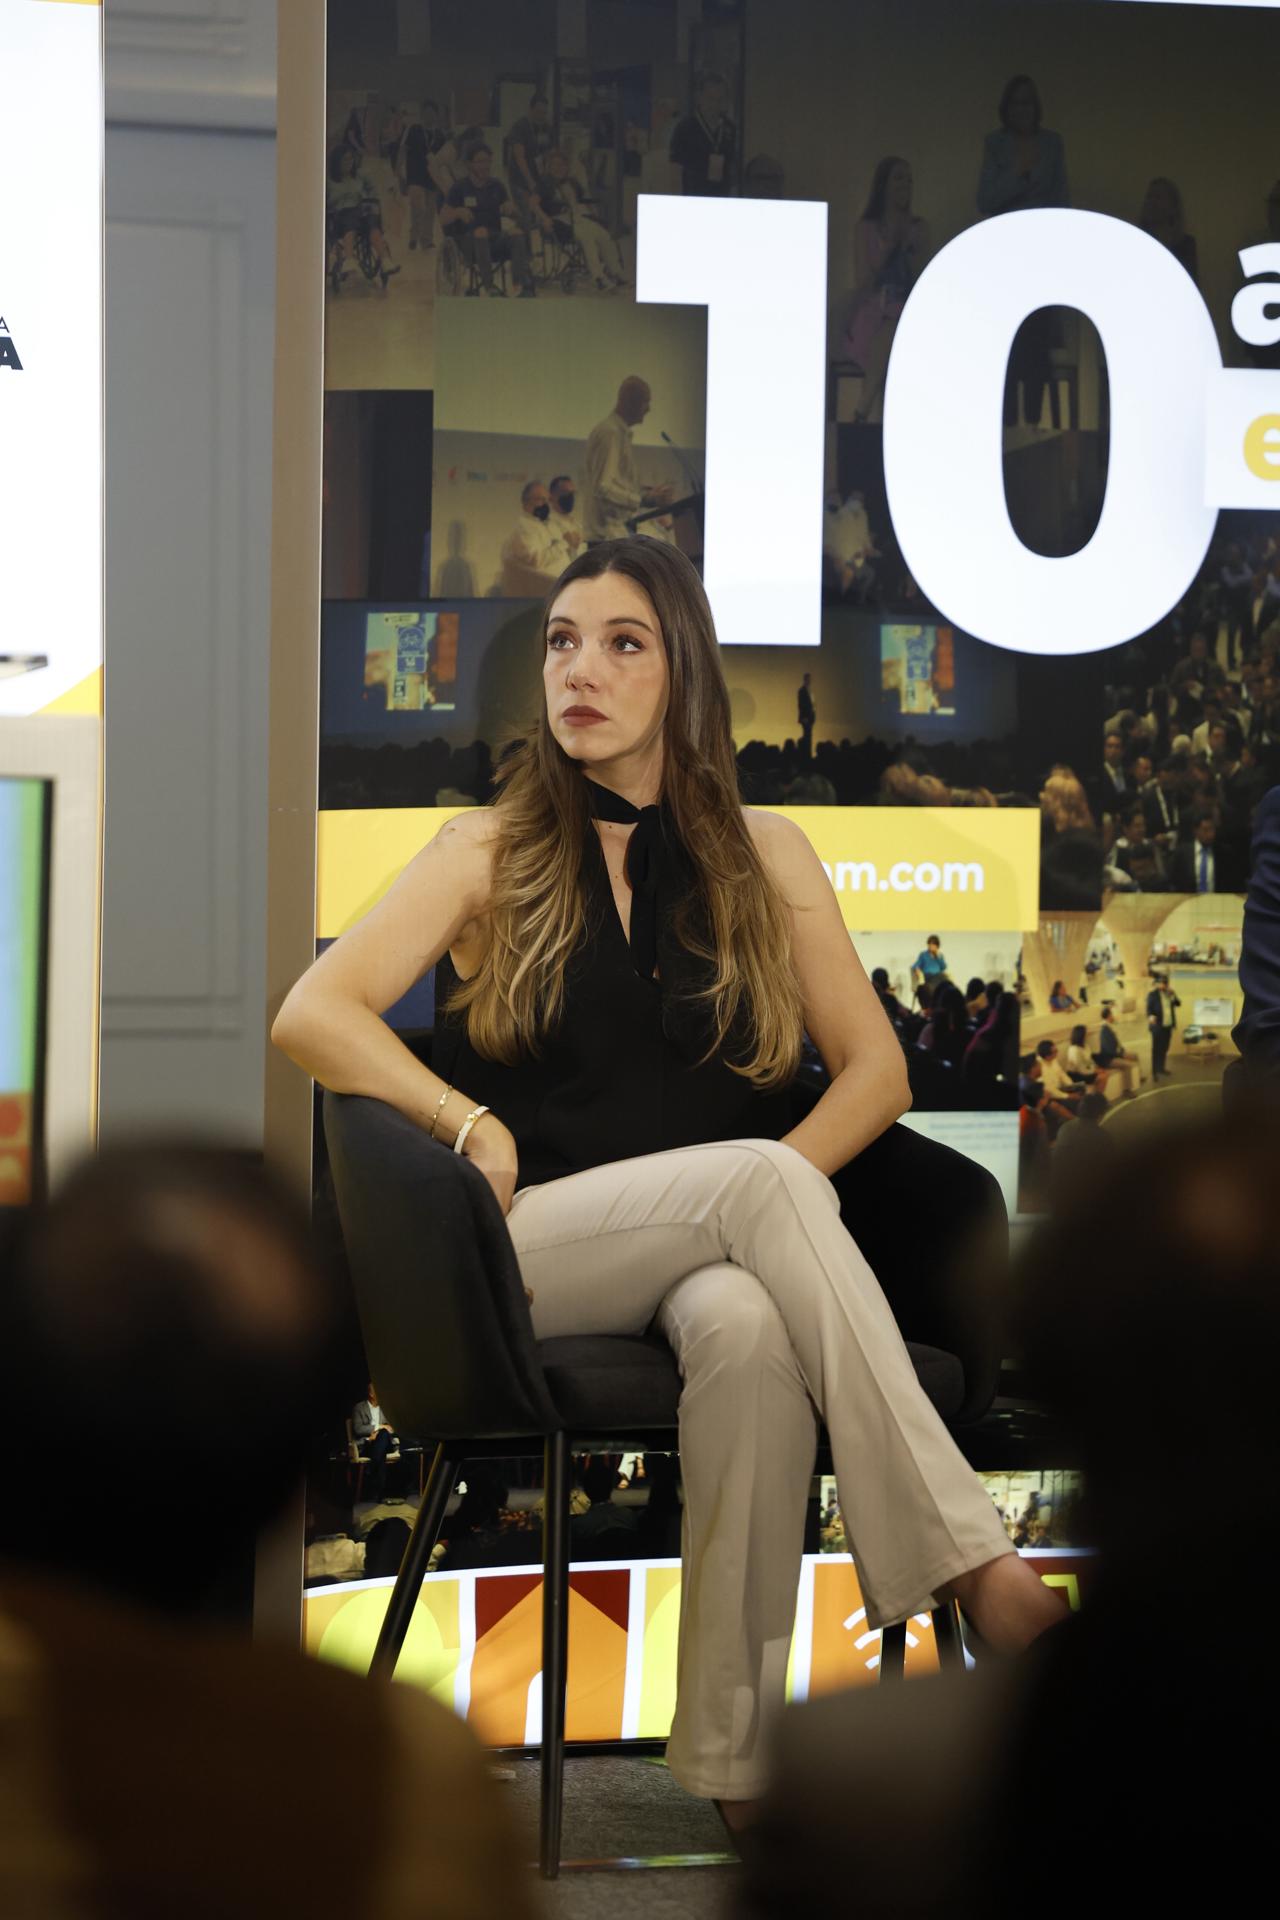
(737, 923)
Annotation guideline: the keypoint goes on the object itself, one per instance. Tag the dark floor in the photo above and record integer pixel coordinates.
(628, 1809)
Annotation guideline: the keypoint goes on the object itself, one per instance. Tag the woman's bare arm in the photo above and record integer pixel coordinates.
(844, 1019)
(330, 1024)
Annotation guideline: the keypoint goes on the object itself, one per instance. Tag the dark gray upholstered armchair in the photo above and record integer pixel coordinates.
(450, 1342)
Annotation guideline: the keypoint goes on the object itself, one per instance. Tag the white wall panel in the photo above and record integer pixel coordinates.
(189, 298)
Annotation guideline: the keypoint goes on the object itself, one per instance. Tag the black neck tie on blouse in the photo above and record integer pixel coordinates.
(649, 868)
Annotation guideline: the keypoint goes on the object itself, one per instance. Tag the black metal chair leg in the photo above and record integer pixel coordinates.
(555, 1647)
(946, 1631)
(893, 1651)
(426, 1531)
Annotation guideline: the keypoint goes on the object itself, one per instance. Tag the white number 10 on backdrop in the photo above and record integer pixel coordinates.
(1188, 435)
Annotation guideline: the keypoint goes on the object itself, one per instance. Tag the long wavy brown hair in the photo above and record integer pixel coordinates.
(735, 921)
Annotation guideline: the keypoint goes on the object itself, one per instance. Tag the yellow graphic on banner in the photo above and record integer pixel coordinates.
(661, 1632)
(343, 1628)
(1262, 447)
(84, 697)
(958, 868)
(494, 1682)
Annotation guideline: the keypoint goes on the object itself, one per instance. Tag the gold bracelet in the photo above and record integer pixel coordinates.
(439, 1110)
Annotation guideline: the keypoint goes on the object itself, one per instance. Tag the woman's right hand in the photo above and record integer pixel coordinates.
(491, 1146)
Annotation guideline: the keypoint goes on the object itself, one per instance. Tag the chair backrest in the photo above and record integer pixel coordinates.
(442, 1307)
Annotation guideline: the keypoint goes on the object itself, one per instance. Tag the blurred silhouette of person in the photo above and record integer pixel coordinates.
(805, 716)
(564, 522)
(1033, 1147)
(527, 147)
(531, 552)
(424, 139)
(574, 217)
(992, 1054)
(1024, 165)
(457, 579)
(1112, 1056)
(899, 1015)
(1162, 1019)
(930, 965)
(473, 210)
(704, 143)
(605, 1531)
(1257, 1032)
(849, 549)
(1070, 847)
(188, 1344)
(890, 246)
(658, 1526)
(1080, 1151)
(613, 490)
(1202, 864)
(1236, 578)
(1125, 1310)
(946, 1032)
(1163, 218)
(373, 1436)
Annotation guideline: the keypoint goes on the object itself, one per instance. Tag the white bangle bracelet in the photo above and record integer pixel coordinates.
(466, 1127)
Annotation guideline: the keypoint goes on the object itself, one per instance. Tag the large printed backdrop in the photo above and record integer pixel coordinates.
(480, 319)
(484, 168)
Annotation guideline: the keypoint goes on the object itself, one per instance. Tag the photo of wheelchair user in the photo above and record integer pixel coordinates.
(356, 241)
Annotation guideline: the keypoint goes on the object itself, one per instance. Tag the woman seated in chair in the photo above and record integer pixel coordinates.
(627, 963)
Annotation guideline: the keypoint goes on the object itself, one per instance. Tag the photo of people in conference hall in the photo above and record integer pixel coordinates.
(639, 956)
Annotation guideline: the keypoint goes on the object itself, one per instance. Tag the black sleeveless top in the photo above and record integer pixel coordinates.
(619, 1075)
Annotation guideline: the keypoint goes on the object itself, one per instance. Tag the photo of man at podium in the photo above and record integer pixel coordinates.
(613, 493)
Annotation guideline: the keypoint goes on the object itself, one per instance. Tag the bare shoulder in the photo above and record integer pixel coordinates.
(475, 827)
(777, 839)
(460, 856)
(787, 852)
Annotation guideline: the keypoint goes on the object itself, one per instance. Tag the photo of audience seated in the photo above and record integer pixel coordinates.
(503, 156)
(620, 1508)
(953, 1002)
(1123, 1012)
(1191, 741)
(599, 416)
(1040, 1511)
(380, 150)
(482, 221)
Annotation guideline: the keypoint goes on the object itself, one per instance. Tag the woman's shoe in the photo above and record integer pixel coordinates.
(741, 1839)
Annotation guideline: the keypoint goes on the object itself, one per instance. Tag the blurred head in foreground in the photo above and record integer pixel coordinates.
(1151, 1318)
(169, 1343)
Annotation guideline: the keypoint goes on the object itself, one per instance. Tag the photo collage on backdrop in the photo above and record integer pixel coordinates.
(496, 397)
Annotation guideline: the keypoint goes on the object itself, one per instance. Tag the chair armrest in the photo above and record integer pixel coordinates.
(437, 1285)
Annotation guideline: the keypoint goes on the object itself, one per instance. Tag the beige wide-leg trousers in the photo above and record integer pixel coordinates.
(736, 1252)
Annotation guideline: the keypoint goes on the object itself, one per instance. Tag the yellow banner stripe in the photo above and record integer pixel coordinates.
(84, 697)
(893, 868)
